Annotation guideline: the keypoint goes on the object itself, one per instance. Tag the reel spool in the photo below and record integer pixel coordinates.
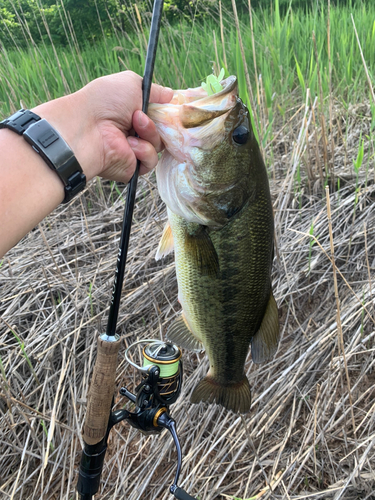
(164, 355)
(167, 357)
(161, 360)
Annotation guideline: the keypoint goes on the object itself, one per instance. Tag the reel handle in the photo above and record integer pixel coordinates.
(166, 421)
(101, 391)
(181, 494)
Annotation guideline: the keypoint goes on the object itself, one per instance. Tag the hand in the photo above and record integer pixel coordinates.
(98, 122)
(115, 102)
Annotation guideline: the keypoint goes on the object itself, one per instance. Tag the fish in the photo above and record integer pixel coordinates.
(214, 182)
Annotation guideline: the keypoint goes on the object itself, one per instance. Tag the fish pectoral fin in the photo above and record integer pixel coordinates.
(264, 343)
(235, 396)
(166, 244)
(201, 249)
(180, 333)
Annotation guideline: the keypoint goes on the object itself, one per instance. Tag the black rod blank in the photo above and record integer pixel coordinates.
(132, 188)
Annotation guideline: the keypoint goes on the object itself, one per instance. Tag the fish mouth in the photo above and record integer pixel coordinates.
(192, 116)
(192, 126)
(205, 109)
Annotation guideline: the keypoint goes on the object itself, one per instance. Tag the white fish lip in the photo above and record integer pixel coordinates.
(186, 101)
(187, 124)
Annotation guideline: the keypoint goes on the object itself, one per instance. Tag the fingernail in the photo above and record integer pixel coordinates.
(133, 142)
(142, 119)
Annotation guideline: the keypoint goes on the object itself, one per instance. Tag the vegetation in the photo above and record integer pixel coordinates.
(286, 57)
(93, 19)
(310, 432)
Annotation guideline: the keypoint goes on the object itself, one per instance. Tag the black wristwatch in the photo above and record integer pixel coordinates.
(49, 144)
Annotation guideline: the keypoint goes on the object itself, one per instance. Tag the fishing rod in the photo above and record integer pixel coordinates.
(162, 369)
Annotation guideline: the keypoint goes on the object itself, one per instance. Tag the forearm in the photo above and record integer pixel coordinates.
(29, 189)
(96, 123)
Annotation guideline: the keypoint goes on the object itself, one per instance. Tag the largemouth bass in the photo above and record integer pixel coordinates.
(220, 224)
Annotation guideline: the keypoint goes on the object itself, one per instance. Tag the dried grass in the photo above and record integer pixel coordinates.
(298, 440)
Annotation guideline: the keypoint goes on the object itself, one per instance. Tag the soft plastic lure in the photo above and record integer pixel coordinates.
(212, 84)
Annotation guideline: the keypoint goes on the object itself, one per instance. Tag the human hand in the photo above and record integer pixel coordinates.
(98, 122)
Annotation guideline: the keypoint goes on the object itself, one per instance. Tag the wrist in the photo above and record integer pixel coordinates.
(72, 119)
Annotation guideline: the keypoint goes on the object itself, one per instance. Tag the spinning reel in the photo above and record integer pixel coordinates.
(161, 384)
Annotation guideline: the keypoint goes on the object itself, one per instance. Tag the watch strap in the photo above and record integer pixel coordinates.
(20, 121)
(49, 144)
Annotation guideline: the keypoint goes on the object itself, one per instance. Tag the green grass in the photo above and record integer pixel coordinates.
(288, 62)
(283, 45)
(311, 244)
(2, 370)
(21, 343)
(251, 498)
(357, 166)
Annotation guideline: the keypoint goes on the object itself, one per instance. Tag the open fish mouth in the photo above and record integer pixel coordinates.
(193, 116)
(195, 110)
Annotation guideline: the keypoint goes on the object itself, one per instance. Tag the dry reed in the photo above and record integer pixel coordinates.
(298, 440)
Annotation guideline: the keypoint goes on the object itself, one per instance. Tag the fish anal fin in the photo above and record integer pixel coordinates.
(235, 397)
(200, 248)
(180, 334)
(166, 244)
(265, 341)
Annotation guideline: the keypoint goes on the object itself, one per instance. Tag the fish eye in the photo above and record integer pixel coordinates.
(240, 135)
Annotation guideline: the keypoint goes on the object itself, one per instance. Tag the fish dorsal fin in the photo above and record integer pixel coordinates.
(201, 250)
(193, 116)
(180, 333)
(166, 244)
(264, 343)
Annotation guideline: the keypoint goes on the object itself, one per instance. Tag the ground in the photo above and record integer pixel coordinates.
(311, 430)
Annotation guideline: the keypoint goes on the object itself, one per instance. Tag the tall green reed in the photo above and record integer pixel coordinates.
(282, 65)
(283, 47)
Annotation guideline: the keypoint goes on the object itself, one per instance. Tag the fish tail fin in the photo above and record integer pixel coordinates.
(235, 396)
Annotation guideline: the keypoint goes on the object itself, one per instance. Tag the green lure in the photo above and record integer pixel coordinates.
(212, 84)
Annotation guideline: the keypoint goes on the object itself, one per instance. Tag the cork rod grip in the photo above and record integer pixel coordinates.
(101, 391)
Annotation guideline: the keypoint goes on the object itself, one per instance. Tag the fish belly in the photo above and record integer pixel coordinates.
(224, 309)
